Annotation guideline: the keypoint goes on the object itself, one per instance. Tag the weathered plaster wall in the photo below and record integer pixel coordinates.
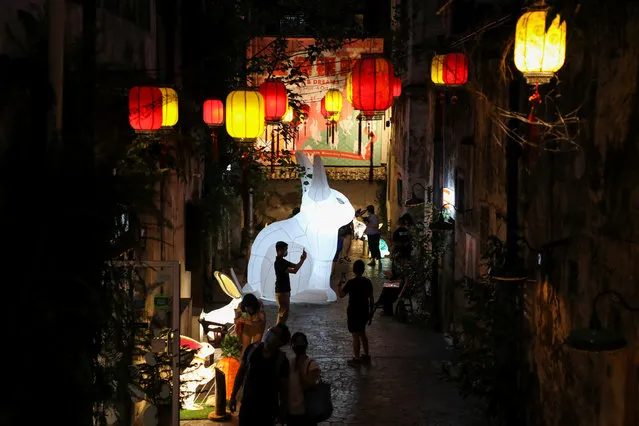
(412, 133)
(586, 194)
(590, 196)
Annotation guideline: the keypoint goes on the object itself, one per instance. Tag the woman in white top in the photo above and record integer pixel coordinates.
(304, 373)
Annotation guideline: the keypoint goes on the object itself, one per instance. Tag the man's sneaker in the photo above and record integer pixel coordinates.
(371, 263)
(365, 359)
(354, 362)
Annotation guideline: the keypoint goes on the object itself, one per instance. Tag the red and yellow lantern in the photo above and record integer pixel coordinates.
(213, 112)
(449, 70)
(372, 83)
(145, 108)
(169, 107)
(275, 100)
(328, 115)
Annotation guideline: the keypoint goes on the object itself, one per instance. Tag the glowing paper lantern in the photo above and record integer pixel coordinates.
(288, 117)
(326, 114)
(323, 211)
(450, 69)
(323, 110)
(397, 87)
(145, 108)
(349, 87)
(333, 103)
(169, 107)
(539, 54)
(437, 69)
(275, 100)
(245, 114)
(213, 112)
(372, 84)
(455, 69)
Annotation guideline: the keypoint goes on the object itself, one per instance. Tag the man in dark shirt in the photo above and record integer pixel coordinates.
(264, 374)
(360, 306)
(283, 281)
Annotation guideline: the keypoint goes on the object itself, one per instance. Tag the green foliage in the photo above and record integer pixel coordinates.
(151, 372)
(484, 344)
(426, 247)
(231, 347)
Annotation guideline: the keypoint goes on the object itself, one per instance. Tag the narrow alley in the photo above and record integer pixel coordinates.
(402, 387)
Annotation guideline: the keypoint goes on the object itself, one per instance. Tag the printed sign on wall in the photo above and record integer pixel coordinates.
(341, 148)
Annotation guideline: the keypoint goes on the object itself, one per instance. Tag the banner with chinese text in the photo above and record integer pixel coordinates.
(341, 147)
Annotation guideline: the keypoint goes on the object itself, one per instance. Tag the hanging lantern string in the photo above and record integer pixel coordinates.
(535, 101)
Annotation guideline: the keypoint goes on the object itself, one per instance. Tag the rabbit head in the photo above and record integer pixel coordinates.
(322, 205)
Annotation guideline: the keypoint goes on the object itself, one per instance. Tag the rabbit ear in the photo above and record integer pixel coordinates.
(305, 170)
(318, 189)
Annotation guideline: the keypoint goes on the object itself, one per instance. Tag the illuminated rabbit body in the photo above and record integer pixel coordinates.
(314, 229)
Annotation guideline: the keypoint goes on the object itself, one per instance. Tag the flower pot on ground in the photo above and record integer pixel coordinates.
(229, 363)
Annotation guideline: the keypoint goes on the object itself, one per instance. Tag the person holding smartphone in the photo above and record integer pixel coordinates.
(283, 281)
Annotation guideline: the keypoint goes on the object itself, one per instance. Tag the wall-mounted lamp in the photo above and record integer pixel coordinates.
(414, 199)
(595, 338)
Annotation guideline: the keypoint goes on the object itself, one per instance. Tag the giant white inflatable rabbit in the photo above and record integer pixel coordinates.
(314, 229)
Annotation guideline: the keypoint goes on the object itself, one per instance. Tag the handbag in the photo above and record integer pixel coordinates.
(318, 402)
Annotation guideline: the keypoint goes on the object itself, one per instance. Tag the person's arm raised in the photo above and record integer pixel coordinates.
(293, 269)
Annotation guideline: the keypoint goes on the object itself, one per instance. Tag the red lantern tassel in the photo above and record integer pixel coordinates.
(535, 100)
(371, 143)
(272, 152)
(359, 135)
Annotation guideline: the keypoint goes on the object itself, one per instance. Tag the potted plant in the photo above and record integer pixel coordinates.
(152, 375)
(229, 363)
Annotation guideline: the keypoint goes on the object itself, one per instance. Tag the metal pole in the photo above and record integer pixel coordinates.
(57, 15)
(250, 208)
(510, 291)
(359, 134)
(220, 397)
(371, 163)
(438, 143)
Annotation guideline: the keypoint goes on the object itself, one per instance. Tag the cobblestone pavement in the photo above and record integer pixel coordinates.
(402, 387)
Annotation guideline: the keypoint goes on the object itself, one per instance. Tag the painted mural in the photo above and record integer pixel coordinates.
(341, 146)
